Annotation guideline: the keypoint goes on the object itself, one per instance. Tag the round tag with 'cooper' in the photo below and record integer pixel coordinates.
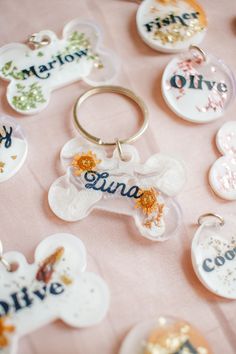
(222, 176)
(198, 87)
(171, 25)
(13, 148)
(164, 335)
(214, 254)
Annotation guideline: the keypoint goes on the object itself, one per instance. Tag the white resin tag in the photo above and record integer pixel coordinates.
(214, 256)
(13, 148)
(143, 191)
(222, 176)
(35, 73)
(197, 90)
(171, 26)
(55, 286)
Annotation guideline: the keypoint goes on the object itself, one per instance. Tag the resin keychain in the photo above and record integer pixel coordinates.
(55, 286)
(165, 335)
(13, 148)
(222, 176)
(172, 25)
(214, 254)
(197, 86)
(121, 183)
(48, 63)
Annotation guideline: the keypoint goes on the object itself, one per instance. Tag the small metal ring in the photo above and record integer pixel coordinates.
(38, 44)
(216, 216)
(119, 148)
(199, 50)
(3, 260)
(111, 89)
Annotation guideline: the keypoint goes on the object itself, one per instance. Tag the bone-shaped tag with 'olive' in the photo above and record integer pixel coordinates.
(55, 286)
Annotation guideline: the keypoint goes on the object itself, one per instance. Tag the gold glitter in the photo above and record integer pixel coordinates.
(185, 329)
(162, 321)
(66, 280)
(176, 33)
(84, 162)
(14, 157)
(202, 350)
(179, 337)
(2, 164)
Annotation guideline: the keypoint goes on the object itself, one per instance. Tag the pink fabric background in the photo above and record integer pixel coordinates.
(145, 279)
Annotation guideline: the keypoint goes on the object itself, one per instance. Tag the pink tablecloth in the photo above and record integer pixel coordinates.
(145, 279)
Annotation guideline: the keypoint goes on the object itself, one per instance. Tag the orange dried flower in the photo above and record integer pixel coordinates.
(4, 341)
(85, 162)
(47, 268)
(148, 201)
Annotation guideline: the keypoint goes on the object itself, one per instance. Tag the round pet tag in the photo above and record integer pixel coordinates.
(164, 335)
(214, 254)
(171, 25)
(198, 87)
(222, 176)
(13, 148)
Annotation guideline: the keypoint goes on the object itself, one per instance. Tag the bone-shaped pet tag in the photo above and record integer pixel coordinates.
(55, 286)
(197, 86)
(142, 190)
(49, 63)
(172, 25)
(13, 148)
(222, 176)
(214, 255)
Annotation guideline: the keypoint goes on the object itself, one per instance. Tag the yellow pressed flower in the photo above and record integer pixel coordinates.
(148, 201)
(86, 161)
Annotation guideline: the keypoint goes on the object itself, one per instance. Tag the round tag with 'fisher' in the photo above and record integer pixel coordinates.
(197, 86)
(165, 335)
(171, 25)
(214, 254)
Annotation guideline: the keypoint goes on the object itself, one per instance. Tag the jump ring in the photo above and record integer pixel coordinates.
(199, 50)
(38, 44)
(3, 260)
(207, 215)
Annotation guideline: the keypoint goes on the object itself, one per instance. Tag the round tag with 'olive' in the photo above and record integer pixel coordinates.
(198, 87)
(171, 25)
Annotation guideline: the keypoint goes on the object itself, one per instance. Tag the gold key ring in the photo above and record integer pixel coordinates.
(220, 219)
(118, 90)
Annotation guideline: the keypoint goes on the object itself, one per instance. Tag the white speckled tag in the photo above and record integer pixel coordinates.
(214, 256)
(222, 176)
(55, 286)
